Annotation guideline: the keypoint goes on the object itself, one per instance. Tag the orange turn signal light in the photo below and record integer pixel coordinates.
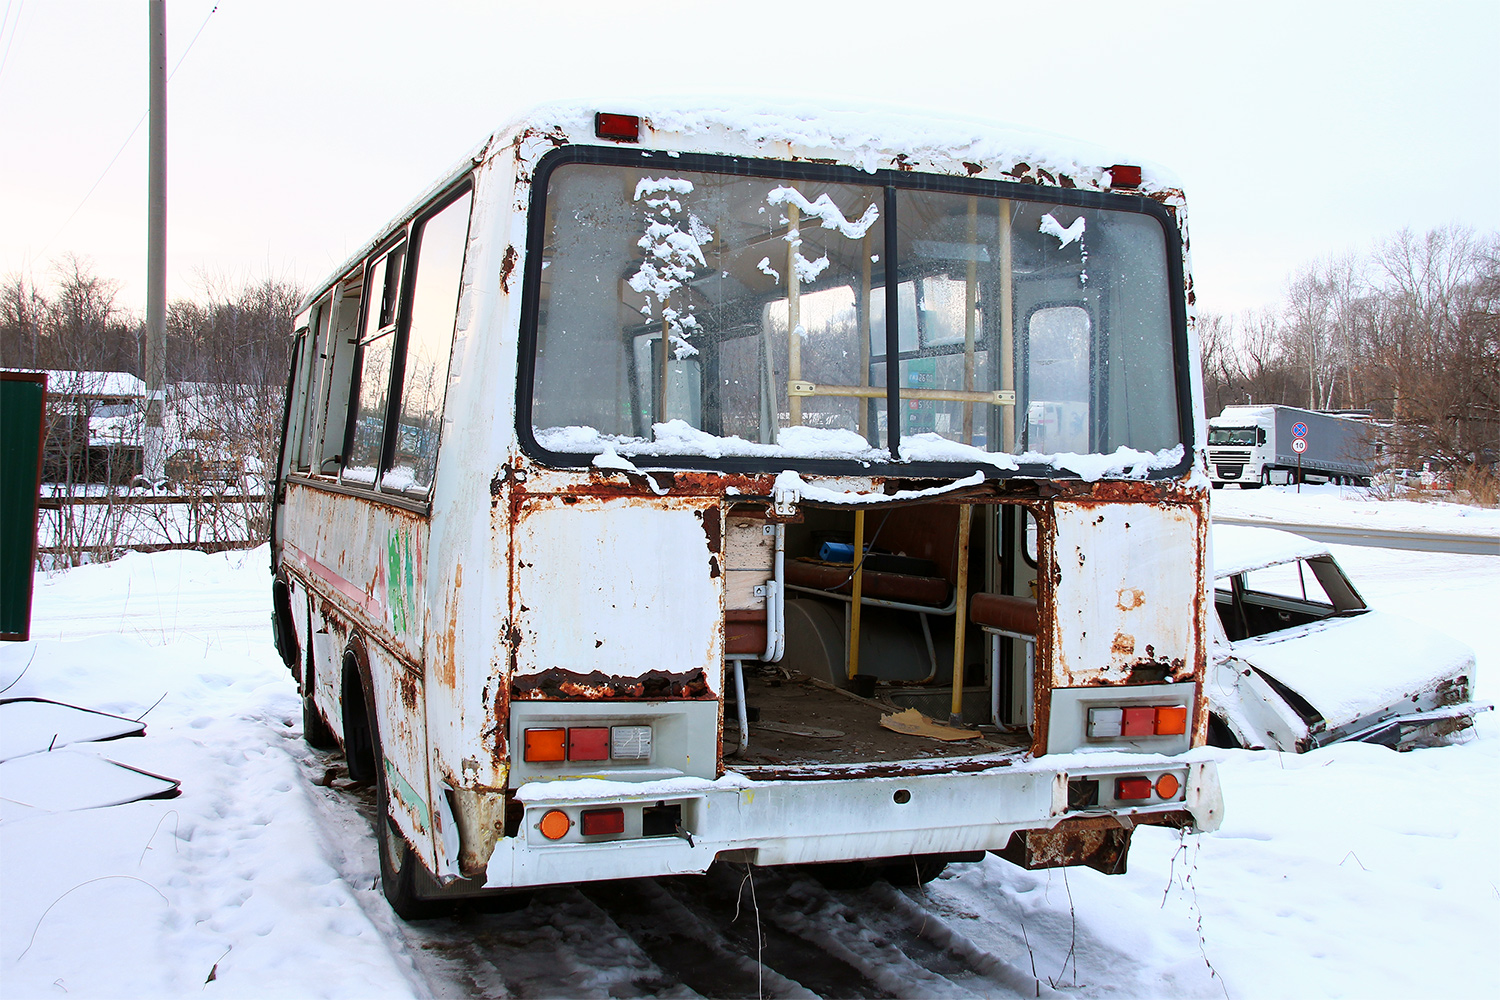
(555, 824)
(546, 744)
(1171, 720)
(1167, 786)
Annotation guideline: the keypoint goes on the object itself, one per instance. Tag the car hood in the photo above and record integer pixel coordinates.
(1350, 668)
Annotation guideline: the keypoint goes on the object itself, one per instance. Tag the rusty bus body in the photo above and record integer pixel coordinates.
(598, 548)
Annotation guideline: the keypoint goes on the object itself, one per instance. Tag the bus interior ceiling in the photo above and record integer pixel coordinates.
(809, 709)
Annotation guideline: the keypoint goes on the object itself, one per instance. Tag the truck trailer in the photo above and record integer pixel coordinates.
(1255, 446)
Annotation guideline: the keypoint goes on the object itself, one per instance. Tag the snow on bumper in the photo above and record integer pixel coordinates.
(827, 819)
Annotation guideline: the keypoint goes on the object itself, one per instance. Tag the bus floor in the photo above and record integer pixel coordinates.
(798, 721)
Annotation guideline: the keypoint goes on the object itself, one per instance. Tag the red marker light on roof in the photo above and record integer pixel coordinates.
(620, 128)
(1122, 176)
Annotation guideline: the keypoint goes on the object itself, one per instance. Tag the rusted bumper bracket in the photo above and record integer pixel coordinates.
(1100, 842)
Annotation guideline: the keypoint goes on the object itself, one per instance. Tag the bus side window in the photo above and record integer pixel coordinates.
(338, 371)
(438, 245)
(376, 348)
(309, 386)
(296, 402)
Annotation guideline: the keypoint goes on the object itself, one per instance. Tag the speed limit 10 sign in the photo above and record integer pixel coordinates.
(1299, 445)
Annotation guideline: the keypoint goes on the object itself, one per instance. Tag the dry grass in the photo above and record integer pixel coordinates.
(1477, 487)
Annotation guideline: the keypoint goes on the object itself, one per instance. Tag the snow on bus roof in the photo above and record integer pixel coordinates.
(1240, 548)
(867, 137)
(871, 137)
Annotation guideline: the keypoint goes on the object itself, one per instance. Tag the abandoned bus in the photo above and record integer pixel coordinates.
(678, 484)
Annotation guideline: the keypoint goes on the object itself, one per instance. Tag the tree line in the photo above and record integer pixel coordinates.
(234, 335)
(1408, 331)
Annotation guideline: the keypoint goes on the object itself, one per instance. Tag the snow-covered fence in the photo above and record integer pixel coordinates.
(104, 523)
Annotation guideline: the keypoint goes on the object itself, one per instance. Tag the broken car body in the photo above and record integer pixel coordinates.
(1300, 661)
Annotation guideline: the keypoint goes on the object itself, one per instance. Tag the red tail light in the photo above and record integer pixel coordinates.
(1139, 722)
(1131, 789)
(598, 822)
(588, 744)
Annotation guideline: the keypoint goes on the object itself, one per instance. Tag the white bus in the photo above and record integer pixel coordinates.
(678, 484)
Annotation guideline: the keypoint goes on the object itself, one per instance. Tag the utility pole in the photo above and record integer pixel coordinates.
(156, 249)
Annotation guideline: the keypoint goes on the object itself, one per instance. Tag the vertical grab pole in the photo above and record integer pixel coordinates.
(1007, 332)
(665, 344)
(960, 615)
(864, 336)
(793, 311)
(971, 301)
(856, 593)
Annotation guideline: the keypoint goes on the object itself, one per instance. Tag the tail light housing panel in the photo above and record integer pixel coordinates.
(622, 741)
(1147, 718)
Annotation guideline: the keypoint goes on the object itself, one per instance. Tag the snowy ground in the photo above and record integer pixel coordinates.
(1350, 871)
(1355, 507)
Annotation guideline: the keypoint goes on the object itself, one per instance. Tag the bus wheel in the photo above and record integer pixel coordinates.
(315, 731)
(914, 870)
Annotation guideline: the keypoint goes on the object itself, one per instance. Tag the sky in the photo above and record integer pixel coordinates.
(1300, 130)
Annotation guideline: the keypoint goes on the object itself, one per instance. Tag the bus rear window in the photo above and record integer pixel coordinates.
(686, 312)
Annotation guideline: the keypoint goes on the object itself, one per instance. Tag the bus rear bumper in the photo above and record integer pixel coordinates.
(834, 819)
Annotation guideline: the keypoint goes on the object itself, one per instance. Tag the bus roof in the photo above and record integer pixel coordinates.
(868, 138)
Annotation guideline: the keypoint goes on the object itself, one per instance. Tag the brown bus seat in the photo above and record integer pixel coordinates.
(745, 632)
(837, 578)
(1008, 614)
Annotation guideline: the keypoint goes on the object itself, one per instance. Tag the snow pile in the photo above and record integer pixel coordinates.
(1348, 871)
(240, 878)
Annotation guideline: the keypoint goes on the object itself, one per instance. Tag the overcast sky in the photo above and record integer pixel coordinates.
(295, 129)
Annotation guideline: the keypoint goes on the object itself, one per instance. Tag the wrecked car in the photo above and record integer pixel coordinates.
(1301, 661)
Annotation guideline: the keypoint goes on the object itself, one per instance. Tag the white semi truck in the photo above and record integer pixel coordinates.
(1255, 446)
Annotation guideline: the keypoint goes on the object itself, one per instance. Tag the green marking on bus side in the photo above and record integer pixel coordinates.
(408, 795)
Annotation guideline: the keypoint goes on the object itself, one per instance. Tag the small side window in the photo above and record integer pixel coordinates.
(331, 428)
(376, 348)
(315, 360)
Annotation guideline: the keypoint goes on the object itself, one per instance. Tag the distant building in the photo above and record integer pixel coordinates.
(94, 422)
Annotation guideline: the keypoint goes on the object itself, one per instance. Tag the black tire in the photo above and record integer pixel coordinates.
(919, 869)
(845, 874)
(315, 731)
(916, 870)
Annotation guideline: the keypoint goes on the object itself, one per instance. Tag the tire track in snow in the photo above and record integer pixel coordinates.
(687, 936)
(688, 941)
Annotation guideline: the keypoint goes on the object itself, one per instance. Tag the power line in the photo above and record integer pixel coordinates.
(139, 122)
(3, 22)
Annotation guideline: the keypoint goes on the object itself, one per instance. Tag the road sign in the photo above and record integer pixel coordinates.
(1299, 429)
(1299, 446)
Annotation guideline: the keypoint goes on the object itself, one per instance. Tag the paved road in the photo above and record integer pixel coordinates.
(1421, 541)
